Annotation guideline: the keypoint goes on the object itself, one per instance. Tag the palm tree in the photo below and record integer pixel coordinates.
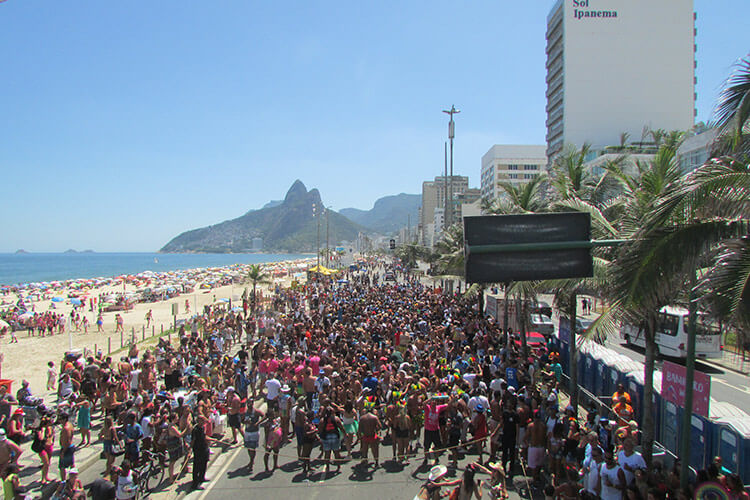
(450, 249)
(257, 274)
(639, 285)
(578, 190)
(733, 110)
(521, 198)
(409, 255)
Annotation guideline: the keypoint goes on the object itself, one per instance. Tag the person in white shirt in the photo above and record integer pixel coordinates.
(134, 375)
(591, 467)
(630, 460)
(611, 478)
(478, 399)
(273, 388)
(126, 488)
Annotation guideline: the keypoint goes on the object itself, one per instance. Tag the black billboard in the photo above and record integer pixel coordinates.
(540, 247)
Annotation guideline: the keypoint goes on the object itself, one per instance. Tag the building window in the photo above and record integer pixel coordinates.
(530, 167)
(512, 167)
(513, 176)
(529, 176)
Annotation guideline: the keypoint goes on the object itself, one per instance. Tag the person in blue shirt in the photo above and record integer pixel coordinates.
(461, 365)
(133, 435)
(370, 382)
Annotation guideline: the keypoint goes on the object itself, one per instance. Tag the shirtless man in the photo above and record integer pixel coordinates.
(369, 425)
(536, 437)
(390, 419)
(233, 419)
(67, 450)
(9, 452)
(308, 385)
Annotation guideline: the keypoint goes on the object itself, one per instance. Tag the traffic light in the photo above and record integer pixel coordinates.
(393, 244)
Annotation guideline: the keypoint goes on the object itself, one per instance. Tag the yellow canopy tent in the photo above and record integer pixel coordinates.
(322, 270)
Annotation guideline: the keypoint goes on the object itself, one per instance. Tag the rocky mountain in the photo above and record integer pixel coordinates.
(287, 227)
(389, 214)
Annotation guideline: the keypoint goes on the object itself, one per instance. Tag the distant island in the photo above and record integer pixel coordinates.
(21, 251)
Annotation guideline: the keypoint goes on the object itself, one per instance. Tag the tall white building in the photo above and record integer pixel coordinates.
(515, 164)
(618, 66)
(433, 196)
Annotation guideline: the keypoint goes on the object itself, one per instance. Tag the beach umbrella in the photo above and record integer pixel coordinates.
(57, 299)
(76, 302)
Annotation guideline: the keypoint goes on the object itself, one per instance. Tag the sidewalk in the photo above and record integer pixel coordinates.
(731, 360)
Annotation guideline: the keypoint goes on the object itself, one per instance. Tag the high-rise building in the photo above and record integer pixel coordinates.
(433, 196)
(508, 163)
(617, 66)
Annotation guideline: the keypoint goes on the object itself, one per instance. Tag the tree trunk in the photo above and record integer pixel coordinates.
(648, 392)
(573, 346)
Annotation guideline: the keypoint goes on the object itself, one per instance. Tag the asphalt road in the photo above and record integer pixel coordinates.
(231, 478)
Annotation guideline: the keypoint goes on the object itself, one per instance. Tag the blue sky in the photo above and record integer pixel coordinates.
(126, 123)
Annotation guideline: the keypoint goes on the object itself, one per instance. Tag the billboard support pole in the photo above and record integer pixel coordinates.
(687, 416)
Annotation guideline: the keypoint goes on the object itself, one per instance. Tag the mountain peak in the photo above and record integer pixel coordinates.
(297, 191)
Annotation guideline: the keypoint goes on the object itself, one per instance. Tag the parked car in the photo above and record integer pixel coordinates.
(389, 277)
(533, 340)
(542, 324)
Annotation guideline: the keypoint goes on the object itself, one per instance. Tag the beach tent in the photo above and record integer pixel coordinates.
(322, 270)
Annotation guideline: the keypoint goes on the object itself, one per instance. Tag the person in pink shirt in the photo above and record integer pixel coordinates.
(432, 411)
(314, 362)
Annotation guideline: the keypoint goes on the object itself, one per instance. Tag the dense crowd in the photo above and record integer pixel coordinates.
(359, 370)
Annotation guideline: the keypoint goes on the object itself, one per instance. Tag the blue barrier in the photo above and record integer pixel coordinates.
(725, 433)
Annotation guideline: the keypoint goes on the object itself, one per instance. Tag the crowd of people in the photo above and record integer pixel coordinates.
(361, 370)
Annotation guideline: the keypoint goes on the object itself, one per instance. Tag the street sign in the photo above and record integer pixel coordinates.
(673, 387)
(392, 244)
(526, 247)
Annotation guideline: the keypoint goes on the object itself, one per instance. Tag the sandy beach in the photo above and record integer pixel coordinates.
(28, 358)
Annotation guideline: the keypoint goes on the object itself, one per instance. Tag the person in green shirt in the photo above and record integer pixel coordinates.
(11, 483)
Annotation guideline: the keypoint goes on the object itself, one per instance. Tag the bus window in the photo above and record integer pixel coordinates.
(668, 324)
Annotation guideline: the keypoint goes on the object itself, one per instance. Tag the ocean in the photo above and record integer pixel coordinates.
(36, 267)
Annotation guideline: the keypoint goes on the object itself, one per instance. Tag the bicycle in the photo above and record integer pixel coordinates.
(151, 472)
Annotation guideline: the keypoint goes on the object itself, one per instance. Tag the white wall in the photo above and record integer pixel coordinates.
(624, 72)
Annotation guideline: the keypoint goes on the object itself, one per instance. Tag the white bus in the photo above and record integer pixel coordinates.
(671, 334)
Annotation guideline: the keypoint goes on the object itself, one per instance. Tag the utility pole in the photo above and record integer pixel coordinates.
(317, 240)
(445, 189)
(328, 246)
(451, 134)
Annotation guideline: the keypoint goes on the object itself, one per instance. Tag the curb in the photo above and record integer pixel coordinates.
(725, 367)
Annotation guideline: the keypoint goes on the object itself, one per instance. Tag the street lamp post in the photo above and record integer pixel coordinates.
(328, 246)
(451, 134)
(317, 239)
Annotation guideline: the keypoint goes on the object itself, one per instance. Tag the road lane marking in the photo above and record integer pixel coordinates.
(217, 476)
(741, 389)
